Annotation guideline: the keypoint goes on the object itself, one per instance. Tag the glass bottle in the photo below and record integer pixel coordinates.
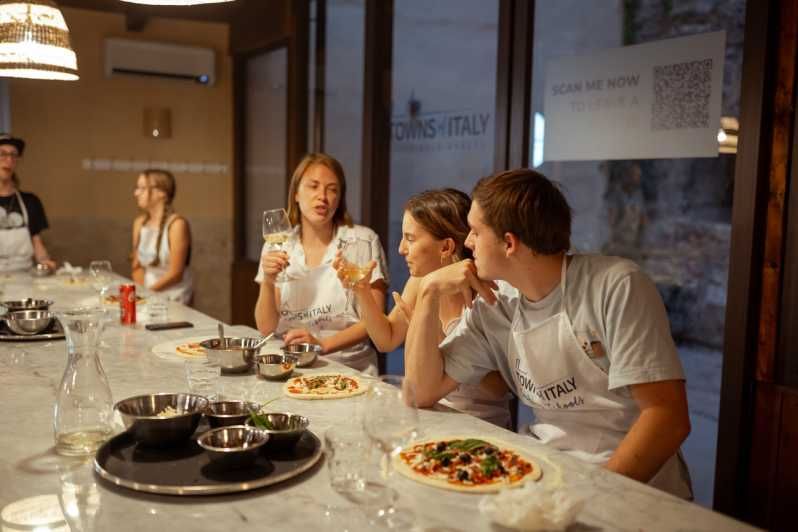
(83, 405)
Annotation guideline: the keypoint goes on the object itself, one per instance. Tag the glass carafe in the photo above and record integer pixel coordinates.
(83, 405)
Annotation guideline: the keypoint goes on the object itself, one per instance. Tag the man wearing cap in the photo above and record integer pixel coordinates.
(22, 217)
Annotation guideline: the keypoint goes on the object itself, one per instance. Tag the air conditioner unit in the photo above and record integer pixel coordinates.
(170, 61)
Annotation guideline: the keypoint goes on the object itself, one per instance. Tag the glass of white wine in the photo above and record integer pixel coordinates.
(355, 259)
(276, 231)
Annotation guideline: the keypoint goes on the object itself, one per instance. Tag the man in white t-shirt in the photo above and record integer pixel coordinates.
(584, 340)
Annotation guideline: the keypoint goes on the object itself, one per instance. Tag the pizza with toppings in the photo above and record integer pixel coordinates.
(190, 349)
(466, 464)
(325, 386)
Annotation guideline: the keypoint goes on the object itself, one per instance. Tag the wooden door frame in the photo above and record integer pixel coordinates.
(243, 289)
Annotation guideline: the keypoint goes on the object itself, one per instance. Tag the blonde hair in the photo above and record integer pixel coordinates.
(164, 181)
(341, 216)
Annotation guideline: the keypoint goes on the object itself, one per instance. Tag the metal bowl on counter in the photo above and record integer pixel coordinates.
(161, 419)
(233, 447)
(284, 428)
(234, 355)
(275, 366)
(305, 353)
(27, 304)
(227, 413)
(28, 322)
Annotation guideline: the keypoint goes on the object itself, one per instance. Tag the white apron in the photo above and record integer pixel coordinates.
(315, 300)
(16, 247)
(472, 399)
(574, 409)
(148, 236)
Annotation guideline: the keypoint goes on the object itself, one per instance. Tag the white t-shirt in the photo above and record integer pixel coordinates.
(314, 298)
(616, 313)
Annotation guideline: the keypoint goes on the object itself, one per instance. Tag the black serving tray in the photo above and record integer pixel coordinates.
(187, 470)
(53, 332)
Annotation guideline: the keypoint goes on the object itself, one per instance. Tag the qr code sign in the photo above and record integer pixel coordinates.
(681, 95)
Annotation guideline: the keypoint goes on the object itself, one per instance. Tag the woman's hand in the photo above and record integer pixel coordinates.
(339, 265)
(273, 263)
(404, 309)
(301, 336)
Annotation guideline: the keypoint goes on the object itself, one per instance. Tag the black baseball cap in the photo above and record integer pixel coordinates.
(5, 138)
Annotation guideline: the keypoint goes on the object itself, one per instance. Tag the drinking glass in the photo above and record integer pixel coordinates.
(348, 453)
(390, 419)
(355, 259)
(203, 376)
(157, 308)
(276, 231)
(101, 273)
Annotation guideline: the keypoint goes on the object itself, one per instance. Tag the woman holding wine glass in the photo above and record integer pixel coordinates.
(300, 296)
(161, 239)
(434, 229)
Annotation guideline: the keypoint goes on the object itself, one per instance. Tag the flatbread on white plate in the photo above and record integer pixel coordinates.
(466, 463)
(181, 349)
(324, 386)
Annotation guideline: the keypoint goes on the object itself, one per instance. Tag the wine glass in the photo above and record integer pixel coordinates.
(390, 420)
(101, 272)
(276, 231)
(355, 259)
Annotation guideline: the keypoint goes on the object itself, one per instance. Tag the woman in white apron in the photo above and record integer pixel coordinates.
(434, 229)
(161, 239)
(575, 410)
(22, 215)
(310, 305)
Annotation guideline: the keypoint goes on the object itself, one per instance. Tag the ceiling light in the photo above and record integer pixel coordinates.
(34, 41)
(175, 2)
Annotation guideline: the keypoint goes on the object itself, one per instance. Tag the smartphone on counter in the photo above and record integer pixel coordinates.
(168, 325)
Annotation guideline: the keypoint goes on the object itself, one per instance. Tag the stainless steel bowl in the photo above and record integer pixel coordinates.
(233, 447)
(306, 353)
(284, 429)
(28, 322)
(141, 417)
(275, 366)
(235, 355)
(27, 304)
(227, 413)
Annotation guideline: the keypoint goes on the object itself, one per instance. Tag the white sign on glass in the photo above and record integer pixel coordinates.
(647, 101)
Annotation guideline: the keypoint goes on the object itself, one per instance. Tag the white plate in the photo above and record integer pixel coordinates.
(168, 350)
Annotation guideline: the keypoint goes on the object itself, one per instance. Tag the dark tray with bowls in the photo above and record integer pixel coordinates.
(186, 469)
(53, 332)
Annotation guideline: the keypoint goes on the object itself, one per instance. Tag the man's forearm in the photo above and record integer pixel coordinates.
(652, 440)
(423, 359)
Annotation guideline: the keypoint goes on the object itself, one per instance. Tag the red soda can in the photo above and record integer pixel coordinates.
(127, 304)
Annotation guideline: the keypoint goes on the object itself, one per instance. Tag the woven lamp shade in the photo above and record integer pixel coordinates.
(34, 41)
(175, 2)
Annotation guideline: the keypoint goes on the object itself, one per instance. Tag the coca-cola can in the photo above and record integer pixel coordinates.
(127, 304)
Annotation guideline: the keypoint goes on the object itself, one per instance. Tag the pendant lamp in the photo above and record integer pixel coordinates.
(34, 41)
(175, 2)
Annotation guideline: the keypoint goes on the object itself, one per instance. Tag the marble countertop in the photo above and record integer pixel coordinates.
(41, 490)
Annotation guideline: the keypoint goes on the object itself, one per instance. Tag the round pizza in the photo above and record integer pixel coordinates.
(190, 349)
(323, 386)
(466, 464)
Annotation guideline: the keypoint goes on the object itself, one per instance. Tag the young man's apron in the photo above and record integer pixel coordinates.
(16, 247)
(315, 300)
(574, 409)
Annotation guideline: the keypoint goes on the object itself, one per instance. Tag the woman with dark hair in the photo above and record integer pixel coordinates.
(22, 217)
(161, 239)
(311, 307)
(434, 229)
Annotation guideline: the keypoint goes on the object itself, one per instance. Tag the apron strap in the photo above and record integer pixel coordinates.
(23, 209)
(563, 269)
